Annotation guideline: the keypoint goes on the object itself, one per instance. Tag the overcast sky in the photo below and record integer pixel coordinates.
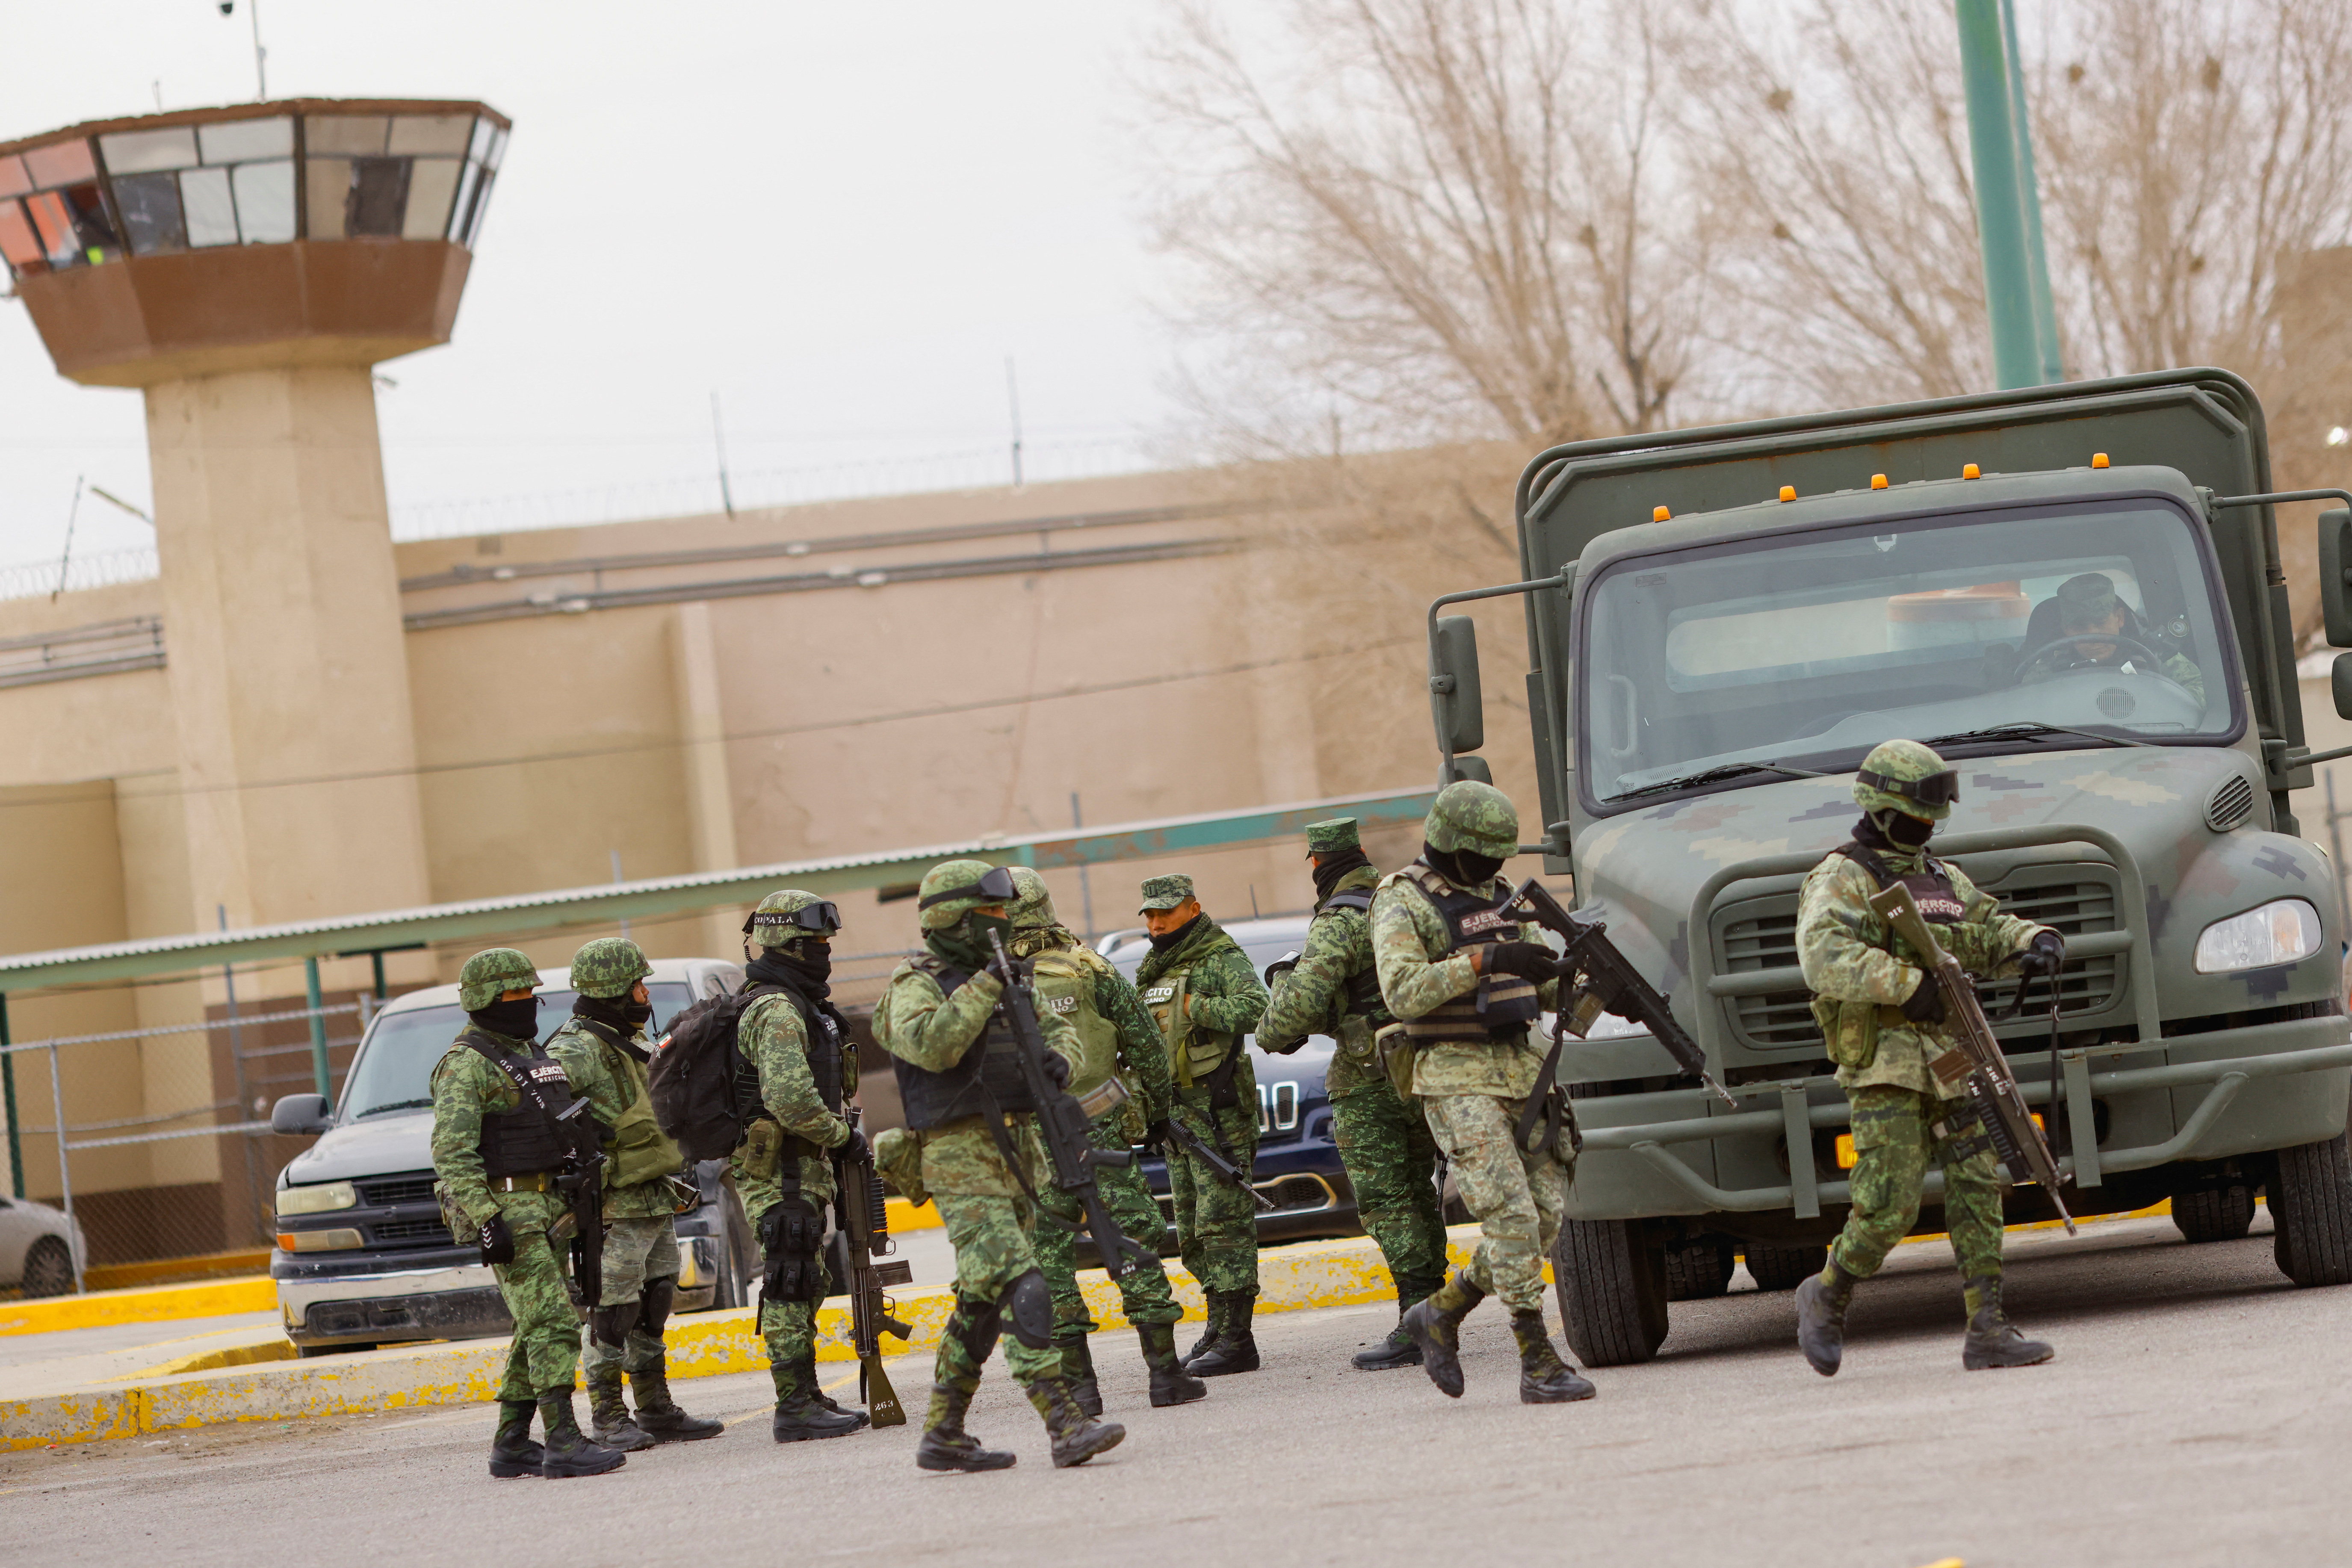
(840, 218)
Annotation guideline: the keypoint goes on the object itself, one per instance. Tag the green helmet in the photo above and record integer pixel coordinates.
(491, 972)
(1476, 817)
(1032, 908)
(1906, 776)
(954, 889)
(608, 966)
(791, 915)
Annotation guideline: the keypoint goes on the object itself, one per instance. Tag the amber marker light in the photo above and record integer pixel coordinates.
(1659, 514)
(2098, 459)
(1788, 493)
(1968, 471)
(1878, 481)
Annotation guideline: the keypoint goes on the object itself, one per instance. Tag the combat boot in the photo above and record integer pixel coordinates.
(512, 1453)
(800, 1415)
(808, 1377)
(1235, 1349)
(1171, 1383)
(1544, 1378)
(1434, 1324)
(658, 1416)
(1079, 1371)
(945, 1444)
(1208, 1338)
(1076, 1435)
(1821, 1318)
(569, 1452)
(608, 1413)
(1992, 1339)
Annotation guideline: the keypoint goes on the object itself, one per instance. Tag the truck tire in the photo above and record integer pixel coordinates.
(1783, 1267)
(49, 1268)
(1611, 1283)
(2311, 1206)
(1697, 1269)
(2213, 1214)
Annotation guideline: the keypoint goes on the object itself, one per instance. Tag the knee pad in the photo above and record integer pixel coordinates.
(610, 1326)
(1030, 1305)
(975, 1326)
(655, 1304)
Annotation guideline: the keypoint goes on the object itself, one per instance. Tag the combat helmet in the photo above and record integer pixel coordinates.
(1908, 777)
(954, 889)
(791, 915)
(1032, 906)
(491, 972)
(1476, 817)
(608, 966)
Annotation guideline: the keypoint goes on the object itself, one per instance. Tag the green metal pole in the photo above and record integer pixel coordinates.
(8, 1092)
(2000, 215)
(318, 1027)
(2037, 255)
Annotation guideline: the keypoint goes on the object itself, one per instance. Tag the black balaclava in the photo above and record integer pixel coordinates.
(1460, 867)
(1167, 941)
(802, 966)
(1336, 865)
(615, 1012)
(965, 943)
(1896, 830)
(517, 1020)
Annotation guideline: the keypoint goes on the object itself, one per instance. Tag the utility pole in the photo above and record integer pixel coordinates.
(1013, 396)
(2037, 254)
(2008, 224)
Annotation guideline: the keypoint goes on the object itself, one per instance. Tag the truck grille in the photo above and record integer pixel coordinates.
(389, 1230)
(1782, 1020)
(397, 1190)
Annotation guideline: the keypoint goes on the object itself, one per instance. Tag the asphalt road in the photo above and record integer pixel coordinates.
(2199, 1413)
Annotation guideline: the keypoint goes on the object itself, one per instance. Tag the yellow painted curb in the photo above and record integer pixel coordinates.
(904, 1217)
(156, 1304)
(279, 1349)
(175, 1270)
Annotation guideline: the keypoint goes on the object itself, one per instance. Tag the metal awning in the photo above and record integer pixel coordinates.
(609, 902)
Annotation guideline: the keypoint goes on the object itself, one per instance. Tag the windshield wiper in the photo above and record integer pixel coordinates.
(1715, 776)
(395, 1105)
(2027, 729)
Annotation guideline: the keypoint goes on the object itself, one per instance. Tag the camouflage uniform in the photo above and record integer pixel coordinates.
(1862, 974)
(1117, 1039)
(604, 1052)
(982, 1200)
(1204, 994)
(1384, 1140)
(544, 1354)
(2086, 603)
(1474, 1090)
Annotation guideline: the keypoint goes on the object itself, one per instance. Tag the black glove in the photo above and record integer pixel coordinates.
(1158, 1136)
(855, 1148)
(1926, 1005)
(497, 1241)
(1058, 1067)
(1528, 960)
(2041, 956)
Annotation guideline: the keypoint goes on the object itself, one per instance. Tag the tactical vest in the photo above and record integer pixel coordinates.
(1849, 1029)
(522, 1141)
(1502, 1006)
(827, 1051)
(990, 1069)
(1361, 997)
(637, 1151)
(1064, 983)
(1932, 890)
(1194, 1053)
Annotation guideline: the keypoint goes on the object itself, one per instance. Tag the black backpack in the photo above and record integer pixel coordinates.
(697, 1082)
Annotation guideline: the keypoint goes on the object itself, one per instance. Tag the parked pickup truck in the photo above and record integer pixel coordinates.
(363, 1257)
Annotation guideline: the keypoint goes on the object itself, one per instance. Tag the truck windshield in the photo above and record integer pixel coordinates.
(395, 1070)
(1811, 649)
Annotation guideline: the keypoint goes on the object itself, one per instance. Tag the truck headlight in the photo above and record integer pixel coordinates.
(325, 1196)
(319, 1240)
(2279, 933)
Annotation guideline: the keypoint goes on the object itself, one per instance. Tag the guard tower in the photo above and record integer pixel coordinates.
(246, 268)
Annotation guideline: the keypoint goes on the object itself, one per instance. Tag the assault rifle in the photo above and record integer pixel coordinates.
(1063, 1124)
(1226, 1171)
(1606, 982)
(863, 1224)
(582, 1183)
(1976, 1066)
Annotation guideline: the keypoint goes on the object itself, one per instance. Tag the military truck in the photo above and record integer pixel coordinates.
(1722, 621)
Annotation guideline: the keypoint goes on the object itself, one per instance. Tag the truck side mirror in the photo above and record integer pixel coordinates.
(2339, 679)
(299, 1115)
(1454, 704)
(1471, 768)
(2334, 587)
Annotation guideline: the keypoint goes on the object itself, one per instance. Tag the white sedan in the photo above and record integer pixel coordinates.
(38, 1246)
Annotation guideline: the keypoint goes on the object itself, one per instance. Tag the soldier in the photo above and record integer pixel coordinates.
(1882, 1017)
(1467, 982)
(2090, 612)
(497, 1158)
(603, 1048)
(797, 1043)
(1384, 1140)
(1116, 1036)
(967, 1103)
(1199, 987)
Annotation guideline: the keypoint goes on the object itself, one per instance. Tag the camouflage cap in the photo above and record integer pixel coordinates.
(1906, 776)
(1167, 892)
(2086, 601)
(1329, 837)
(608, 966)
(492, 972)
(1033, 907)
(790, 916)
(954, 889)
(1476, 817)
